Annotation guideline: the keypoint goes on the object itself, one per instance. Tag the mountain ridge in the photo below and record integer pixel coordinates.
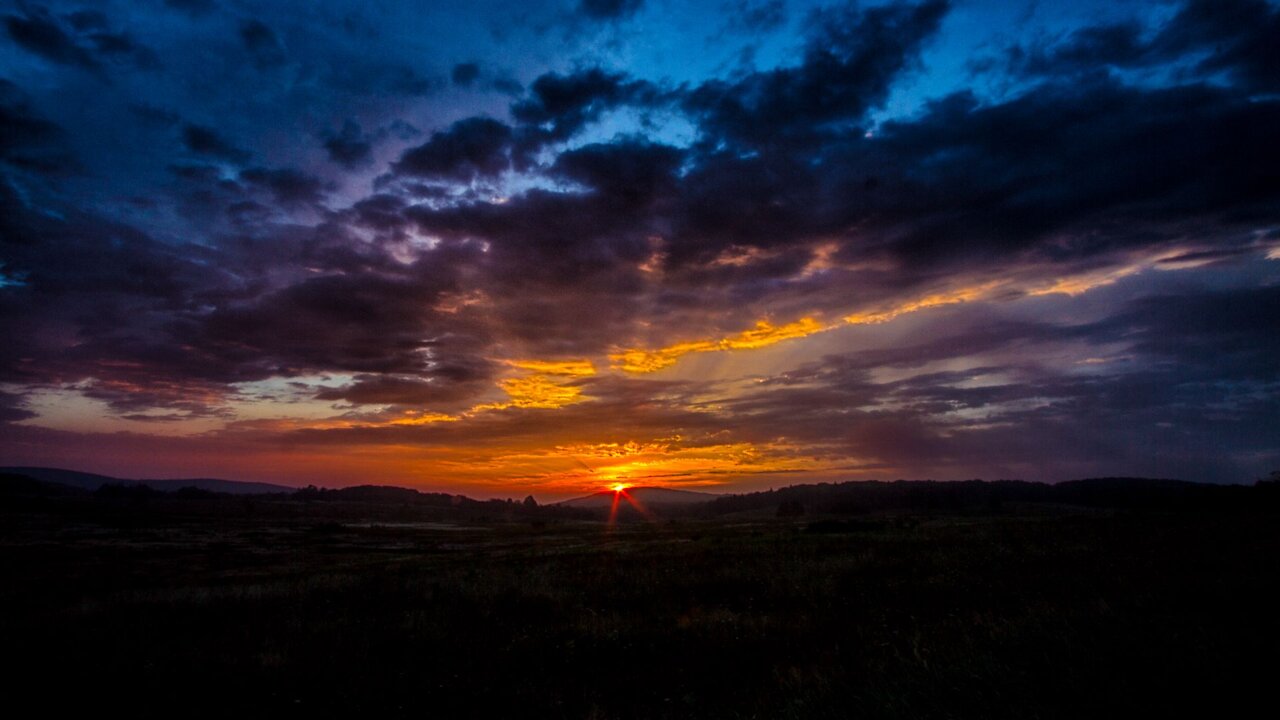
(93, 481)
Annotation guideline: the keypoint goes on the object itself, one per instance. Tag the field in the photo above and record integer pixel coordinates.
(301, 610)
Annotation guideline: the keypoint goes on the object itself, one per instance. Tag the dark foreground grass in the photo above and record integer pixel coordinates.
(1018, 615)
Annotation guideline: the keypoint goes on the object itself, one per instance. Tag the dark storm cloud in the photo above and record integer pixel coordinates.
(38, 32)
(207, 141)
(349, 147)
(28, 140)
(363, 324)
(12, 408)
(1100, 165)
(560, 269)
(194, 7)
(439, 386)
(264, 47)
(1085, 51)
(1233, 333)
(852, 56)
(465, 74)
(1109, 164)
(156, 326)
(609, 9)
(84, 40)
(381, 212)
(627, 172)
(1234, 37)
(288, 186)
(467, 150)
(121, 45)
(105, 297)
(555, 109)
(564, 104)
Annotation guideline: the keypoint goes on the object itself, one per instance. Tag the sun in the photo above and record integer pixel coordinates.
(619, 487)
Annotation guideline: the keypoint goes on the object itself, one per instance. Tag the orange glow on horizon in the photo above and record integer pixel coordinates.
(604, 438)
(619, 494)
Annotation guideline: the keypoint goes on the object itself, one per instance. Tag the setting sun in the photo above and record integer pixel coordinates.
(618, 487)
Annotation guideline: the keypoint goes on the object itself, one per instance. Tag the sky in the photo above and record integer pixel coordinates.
(501, 248)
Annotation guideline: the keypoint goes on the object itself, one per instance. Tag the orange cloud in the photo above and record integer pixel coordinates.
(538, 391)
(414, 417)
(1079, 284)
(951, 297)
(573, 368)
(637, 360)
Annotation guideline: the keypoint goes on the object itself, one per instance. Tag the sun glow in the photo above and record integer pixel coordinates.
(618, 487)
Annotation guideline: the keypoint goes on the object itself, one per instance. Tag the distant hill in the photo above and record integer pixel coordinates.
(868, 496)
(642, 495)
(91, 481)
(16, 485)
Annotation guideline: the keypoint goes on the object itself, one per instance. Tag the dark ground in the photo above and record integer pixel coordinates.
(270, 608)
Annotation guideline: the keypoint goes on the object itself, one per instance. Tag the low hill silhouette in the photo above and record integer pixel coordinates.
(18, 485)
(858, 497)
(843, 498)
(93, 481)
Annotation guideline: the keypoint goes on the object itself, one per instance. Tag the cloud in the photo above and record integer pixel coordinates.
(606, 10)
(628, 171)
(39, 33)
(28, 140)
(12, 408)
(206, 141)
(564, 104)
(193, 7)
(763, 334)
(349, 147)
(84, 40)
(1235, 35)
(851, 58)
(754, 16)
(440, 388)
(1202, 38)
(260, 41)
(570, 368)
(289, 187)
(468, 150)
(465, 74)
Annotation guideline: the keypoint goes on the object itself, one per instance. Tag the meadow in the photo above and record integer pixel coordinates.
(280, 607)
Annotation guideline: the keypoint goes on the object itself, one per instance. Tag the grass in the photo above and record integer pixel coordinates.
(1022, 614)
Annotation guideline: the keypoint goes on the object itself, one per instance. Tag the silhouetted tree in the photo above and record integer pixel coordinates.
(790, 508)
(194, 493)
(119, 491)
(529, 502)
